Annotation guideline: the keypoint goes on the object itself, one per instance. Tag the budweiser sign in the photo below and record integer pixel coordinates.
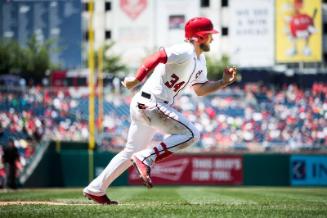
(170, 170)
(191, 170)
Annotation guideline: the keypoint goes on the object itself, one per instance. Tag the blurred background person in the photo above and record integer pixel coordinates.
(10, 156)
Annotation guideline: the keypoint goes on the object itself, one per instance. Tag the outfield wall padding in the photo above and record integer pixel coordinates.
(67, 165)
(75, 168)
(48, 172)
(266, 169)
(64, 165)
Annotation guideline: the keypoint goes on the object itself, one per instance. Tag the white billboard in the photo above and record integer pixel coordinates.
(132, 29)
(171, 16)
(252, 33)
(139, 27)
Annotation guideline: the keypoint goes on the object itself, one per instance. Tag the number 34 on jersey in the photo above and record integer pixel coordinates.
(174, 83)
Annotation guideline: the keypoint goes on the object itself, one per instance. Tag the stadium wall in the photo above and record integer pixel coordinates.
(68, 165)
(266, 169)
(48, 172)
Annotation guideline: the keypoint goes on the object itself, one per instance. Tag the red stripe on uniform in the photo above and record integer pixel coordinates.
(156, 151)
(166, 153)
(164, 146)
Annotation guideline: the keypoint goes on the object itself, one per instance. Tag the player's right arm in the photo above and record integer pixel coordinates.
(148, 65)
(176, 54)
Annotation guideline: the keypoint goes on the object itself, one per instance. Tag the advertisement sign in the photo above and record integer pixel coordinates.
(252, 33)
(194, 170)
(133, 8)
(131, 25)
(308, 170)
(141, 27)
(298, 31)
(170, 18)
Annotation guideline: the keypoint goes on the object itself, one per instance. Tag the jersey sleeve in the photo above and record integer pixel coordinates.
(178, 54)
(200, 76)
(150, 63)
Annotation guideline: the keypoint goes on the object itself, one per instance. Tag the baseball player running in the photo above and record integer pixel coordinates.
(175, 69)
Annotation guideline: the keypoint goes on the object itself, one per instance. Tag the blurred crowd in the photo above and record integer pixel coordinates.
(250, 118)
(261, 118)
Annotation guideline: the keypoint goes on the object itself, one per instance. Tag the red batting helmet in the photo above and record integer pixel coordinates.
(198, 28)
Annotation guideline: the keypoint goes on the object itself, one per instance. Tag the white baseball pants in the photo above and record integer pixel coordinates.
(147, 117)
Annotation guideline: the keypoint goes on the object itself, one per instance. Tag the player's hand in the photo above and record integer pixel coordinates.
(130, 82)
(230, 75)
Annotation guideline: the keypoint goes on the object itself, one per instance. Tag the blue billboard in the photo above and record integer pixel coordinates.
(308, 170)
(56, 20)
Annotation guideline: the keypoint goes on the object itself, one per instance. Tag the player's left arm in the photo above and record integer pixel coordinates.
(204, 89)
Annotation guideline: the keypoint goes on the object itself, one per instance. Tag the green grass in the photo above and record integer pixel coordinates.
(185, 201)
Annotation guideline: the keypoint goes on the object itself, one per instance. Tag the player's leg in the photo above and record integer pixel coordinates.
(139, 136)
(182, 134)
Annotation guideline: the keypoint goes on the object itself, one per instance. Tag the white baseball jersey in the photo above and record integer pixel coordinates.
(182, 70)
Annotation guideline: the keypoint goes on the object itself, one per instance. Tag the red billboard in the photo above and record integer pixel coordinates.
(194, 170)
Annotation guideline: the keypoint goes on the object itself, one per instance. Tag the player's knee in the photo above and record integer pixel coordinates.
(195, 135)
(128, 152)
